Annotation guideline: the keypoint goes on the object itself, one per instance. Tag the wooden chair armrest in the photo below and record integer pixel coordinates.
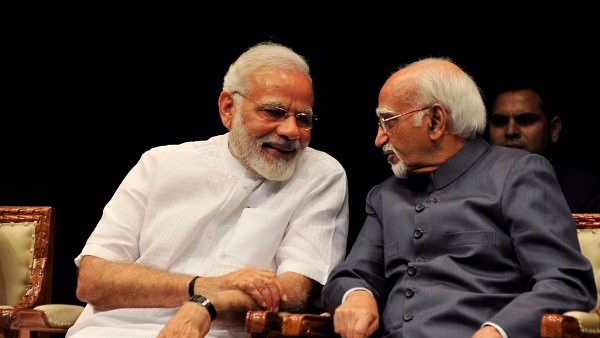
(263, 324)
(46, 318)
(570, 325)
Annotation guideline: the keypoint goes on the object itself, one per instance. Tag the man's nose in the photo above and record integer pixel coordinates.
(512, 128)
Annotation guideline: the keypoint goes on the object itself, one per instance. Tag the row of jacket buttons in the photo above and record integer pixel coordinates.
(412, 270)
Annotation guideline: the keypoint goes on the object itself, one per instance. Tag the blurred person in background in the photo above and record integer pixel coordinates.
(523, 117)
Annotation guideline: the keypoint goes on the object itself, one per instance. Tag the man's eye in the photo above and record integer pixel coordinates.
(498, 121)
(526, 119)
(274, 112)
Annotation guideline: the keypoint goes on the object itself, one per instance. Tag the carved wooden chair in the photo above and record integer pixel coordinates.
(26, 264)
(576, 324)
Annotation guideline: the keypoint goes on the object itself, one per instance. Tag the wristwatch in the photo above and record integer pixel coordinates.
(206, 303)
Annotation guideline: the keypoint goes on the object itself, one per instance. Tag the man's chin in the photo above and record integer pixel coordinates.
(278, 169)
(399, 171)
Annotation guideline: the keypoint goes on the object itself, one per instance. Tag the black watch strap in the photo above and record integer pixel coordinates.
(191, 286)
(207, 305)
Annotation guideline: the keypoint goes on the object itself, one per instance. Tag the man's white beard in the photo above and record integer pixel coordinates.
(399, 168)
(249, 151)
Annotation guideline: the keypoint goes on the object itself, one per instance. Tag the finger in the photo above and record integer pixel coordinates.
(282, 295)
(255, 293)
(271, 294)
(266, 294)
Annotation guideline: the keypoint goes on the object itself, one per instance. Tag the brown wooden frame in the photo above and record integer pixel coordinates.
(34, 314)
(39, 284)
(555, 325)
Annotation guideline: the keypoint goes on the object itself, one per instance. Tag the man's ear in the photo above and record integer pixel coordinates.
(226, 108)
(555, 128)
(438, 118)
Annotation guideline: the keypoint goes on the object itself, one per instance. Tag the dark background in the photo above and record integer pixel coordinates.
(127, 76)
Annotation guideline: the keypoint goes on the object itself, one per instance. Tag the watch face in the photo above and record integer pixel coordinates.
(198, 299)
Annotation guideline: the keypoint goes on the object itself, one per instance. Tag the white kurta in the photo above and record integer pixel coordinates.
(192, 208)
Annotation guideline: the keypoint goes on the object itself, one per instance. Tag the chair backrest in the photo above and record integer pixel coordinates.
(588, 232)
(26, 255)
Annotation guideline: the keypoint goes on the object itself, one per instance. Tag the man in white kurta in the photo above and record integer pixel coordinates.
(250, 219)
(244, 221)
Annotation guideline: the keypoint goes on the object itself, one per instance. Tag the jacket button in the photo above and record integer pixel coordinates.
(417, 233)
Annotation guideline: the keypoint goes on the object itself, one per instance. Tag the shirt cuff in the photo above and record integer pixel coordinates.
(360, 288)
(502, 333)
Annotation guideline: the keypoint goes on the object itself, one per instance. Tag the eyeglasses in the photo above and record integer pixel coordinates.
(271, 113)
(387, 123)
(524, 119)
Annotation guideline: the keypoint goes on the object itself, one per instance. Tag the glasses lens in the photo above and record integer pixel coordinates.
(273, 113)
(304, 120)
(383, 125)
